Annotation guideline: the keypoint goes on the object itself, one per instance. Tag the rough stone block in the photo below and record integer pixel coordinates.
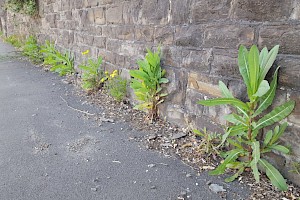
(289, 73)
(144, 33)
(197, 60)
(204, 84)
(257, 10)
(164, 35)
(225, 64)
(204, 10)
(228, 36)
(189, 36)
(192, 96)
(99, 14)
(154, 12)
(294, 117)
(99, 42)
(114, 14)
(90, 16)
(65, 5)
(123, 32)
(287, 36)
(180, 11)
(171, 56)
(131, 11)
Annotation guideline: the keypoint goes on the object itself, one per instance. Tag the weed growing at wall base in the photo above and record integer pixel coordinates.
(116, 86)
(92, 74)
(146, 83)
(247, 122)
(62, 63)
(31, 49)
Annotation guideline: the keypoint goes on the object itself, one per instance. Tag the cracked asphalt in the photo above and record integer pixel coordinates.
(50, 151)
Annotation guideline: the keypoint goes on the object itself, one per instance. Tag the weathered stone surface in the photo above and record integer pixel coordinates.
(99, 14)
(197, 60)
(114, 14)
(294, 117)
(192, 96)
(257, 10)
(154, 12)
(287, 36)
(180, 11)
(289, 73)
(225, 64)
(203, 84)
(171, 56)
(124, 32)
(100, 42)
(144, 33)
(189, 36)
(204, 10)
(228, 36)
(164, 35)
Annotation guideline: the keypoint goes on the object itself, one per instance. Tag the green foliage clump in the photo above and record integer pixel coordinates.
(28, 7)
(209, 142)
(116, 86)
(31, 49)
(92, 74)
(248, 121)
(146, 83)
(62, 63)
(14, 40)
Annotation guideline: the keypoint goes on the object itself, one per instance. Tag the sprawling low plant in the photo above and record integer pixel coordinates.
(28, 7)
(146, 83)
(115, 85)
(62, 63)
(248, 121)
(210, 142)
(92, 74)
(31, 49)
(15, 40)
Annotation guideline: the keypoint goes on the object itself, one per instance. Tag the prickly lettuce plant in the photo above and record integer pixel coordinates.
(146, 83)
(249, 121)
(62, 63)
(92, 74)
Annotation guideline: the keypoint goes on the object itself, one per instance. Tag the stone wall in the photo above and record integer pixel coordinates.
(199, 39)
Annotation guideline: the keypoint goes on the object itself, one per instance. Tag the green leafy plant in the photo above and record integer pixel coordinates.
(28, 7)
(92, 74)
(116, 86)
(15, 40)
(146, 83)
(210, 142)
(31, 49)
(296, 168)
(62, 63)
(247, 122)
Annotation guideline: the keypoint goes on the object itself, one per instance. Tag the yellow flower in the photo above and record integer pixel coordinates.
(115, 72)
(85, 52)
(106, 73)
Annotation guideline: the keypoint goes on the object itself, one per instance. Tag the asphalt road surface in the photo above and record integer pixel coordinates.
(49, 151)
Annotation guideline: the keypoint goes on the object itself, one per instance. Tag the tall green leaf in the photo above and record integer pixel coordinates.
(276, 115)
(256, 156)
(265, 67)
(253, 60)
(274, 175)
(244, 67)
(278, 134)
(222, 101)
(267, 99)
(225, 91)
(268, 137)
(232, 156)
(262, 89)
(263, 57)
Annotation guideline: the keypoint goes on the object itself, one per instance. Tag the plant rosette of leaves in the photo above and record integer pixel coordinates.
(146, 83)
(249, 119)
(31, 49)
